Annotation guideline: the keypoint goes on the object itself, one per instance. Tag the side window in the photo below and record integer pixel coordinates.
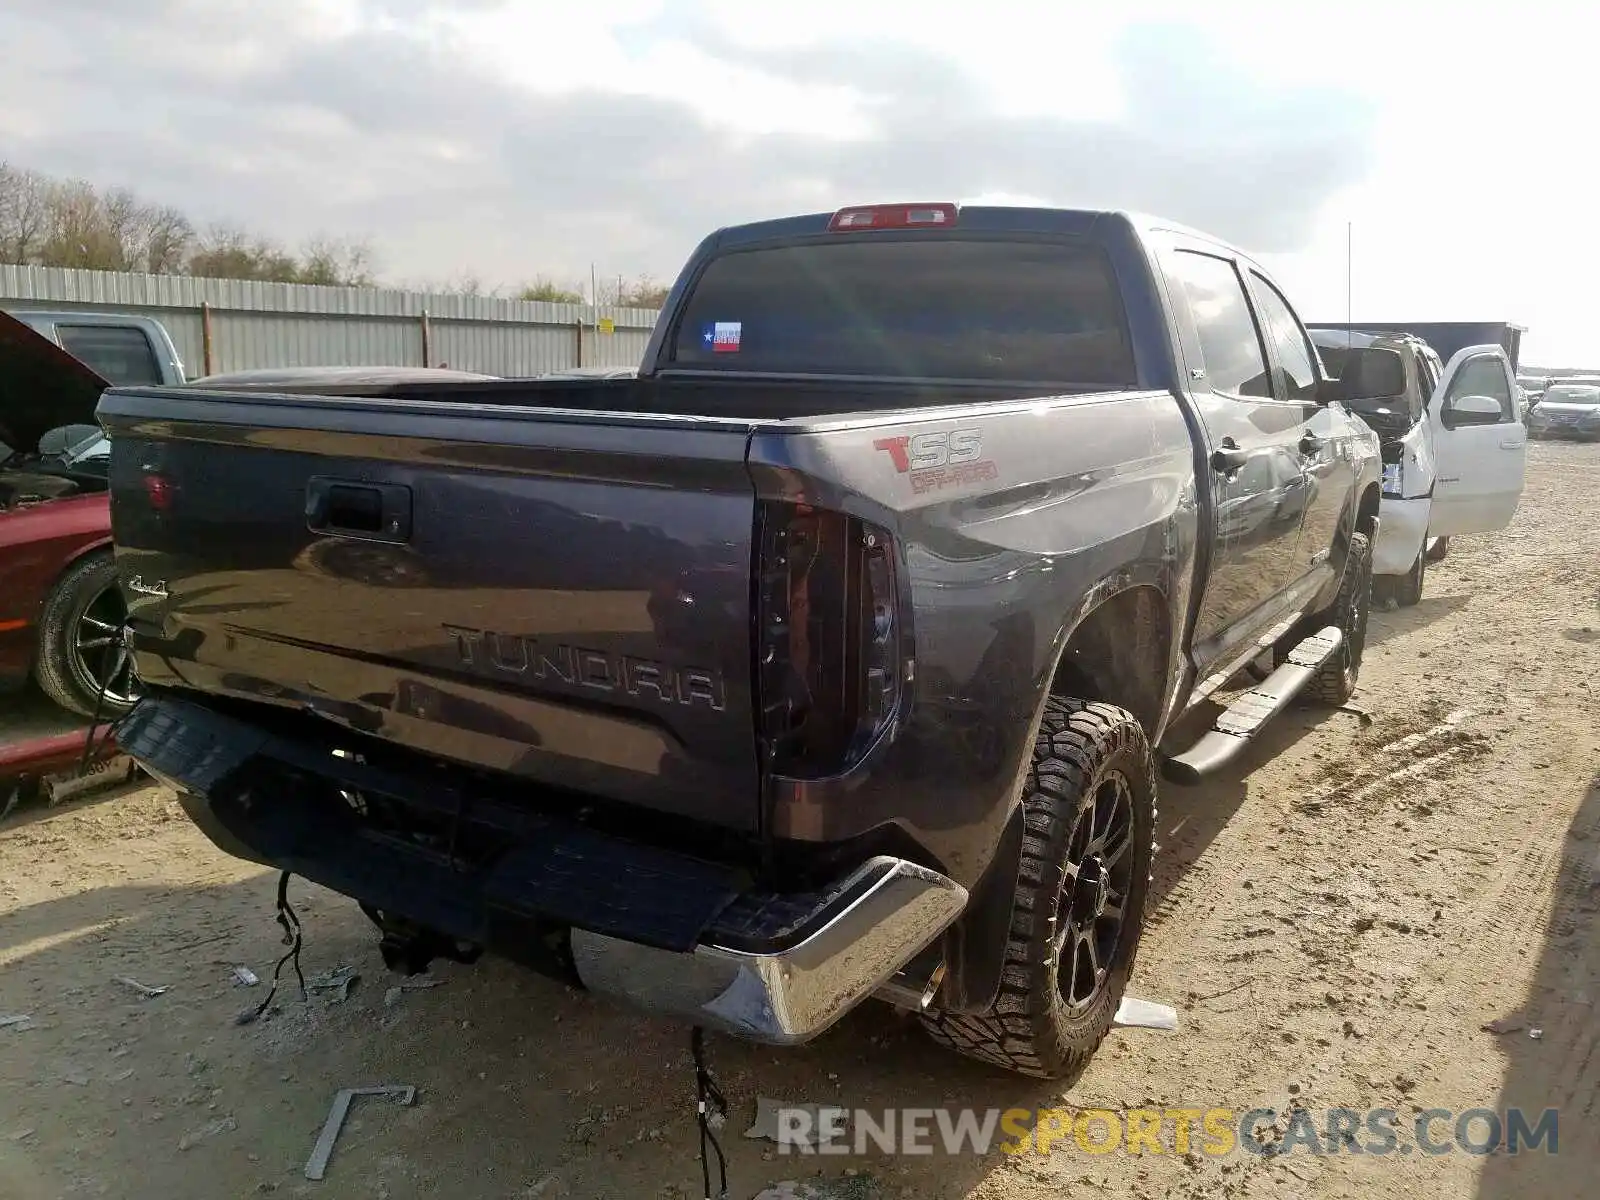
(1428, 367)
(1484, 377)
(1229, 341)
(1295, 355)
(120, 353)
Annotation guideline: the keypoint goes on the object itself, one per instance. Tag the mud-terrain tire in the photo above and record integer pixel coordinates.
(80, 642)
(1089, 811)
(1335, 681)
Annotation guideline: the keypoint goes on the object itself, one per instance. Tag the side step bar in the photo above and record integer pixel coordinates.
(1252, 709)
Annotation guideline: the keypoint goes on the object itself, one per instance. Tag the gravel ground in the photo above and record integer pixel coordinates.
(1336, 920)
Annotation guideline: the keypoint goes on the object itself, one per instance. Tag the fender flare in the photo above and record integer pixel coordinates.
(975, 945)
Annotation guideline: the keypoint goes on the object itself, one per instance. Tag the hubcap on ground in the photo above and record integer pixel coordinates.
(102, 657)
(1099, 872)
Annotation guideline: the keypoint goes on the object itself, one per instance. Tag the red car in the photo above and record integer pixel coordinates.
(60, 607)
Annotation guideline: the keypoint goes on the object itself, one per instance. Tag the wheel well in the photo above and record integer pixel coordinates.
(1118, 654)
(1367, 510)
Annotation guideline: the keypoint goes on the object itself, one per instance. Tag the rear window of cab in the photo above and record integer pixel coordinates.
(914, 307)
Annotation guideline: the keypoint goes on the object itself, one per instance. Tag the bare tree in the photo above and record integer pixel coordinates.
(164, 239)
(24, 214)
(47, 221)
(335, 262)
(225, 252)
(643, 292)
(549, 291)
(79, 230)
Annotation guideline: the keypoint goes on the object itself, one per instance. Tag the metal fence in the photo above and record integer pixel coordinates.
(234, 325)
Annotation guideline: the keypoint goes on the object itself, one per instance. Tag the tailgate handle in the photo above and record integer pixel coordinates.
(348, 508)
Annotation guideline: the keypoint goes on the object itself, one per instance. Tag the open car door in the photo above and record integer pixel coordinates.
(1480, 444)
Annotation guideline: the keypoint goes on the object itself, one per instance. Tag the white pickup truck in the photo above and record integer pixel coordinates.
(1453, 442)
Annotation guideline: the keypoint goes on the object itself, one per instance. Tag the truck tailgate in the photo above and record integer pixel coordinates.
(563, 597)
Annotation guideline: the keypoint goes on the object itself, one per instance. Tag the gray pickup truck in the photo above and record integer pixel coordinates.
(825, 659)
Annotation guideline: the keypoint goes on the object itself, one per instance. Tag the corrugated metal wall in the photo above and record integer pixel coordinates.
(294, 325)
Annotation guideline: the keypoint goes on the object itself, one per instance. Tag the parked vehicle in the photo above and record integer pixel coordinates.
(123, 348)
(1567, 410)
(1533, 388)
(60, 606)
(1453, 443)
(1449, 338)
(822, 660)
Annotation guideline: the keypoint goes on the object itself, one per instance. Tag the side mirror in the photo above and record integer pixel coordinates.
(1474, 410)
(1373, 373)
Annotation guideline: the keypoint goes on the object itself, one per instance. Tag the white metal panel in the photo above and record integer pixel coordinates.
(256, 324)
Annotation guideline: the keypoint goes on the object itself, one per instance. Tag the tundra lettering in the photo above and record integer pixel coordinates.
(516, 654)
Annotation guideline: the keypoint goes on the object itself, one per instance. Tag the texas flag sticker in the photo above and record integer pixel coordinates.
(721, 337)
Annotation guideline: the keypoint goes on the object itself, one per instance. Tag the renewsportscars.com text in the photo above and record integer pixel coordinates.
(1214, 1132)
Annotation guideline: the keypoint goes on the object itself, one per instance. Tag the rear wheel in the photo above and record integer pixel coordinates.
(1089, 807)
(1437, 549)
(1335, 681)
(1408, 588)
(81, 649)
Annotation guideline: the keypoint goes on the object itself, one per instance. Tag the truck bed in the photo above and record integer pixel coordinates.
(705, 394)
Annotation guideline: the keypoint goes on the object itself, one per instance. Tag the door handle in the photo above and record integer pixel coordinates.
(1310, 444)
(1228, 458)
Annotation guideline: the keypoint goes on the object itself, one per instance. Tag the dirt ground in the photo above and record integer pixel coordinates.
(1336, 921)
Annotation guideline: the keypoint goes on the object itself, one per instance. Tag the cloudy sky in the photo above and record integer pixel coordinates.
(512, 138)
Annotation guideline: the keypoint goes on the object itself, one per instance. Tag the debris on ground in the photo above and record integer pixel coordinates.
(393, 995)
(336, 981)
(1536, 1034)
(144, 990)
(831, 1118)
(317, 1164)
(209, 1130)
(548, 1188)
(1134, 1013)
(851, 1187)
(16, 1021)
(1502, 1025)
(245, 977)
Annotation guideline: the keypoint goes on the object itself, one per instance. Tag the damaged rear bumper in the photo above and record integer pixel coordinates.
(670, 933)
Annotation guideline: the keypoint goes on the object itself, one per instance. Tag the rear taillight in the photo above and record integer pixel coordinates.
(829, 655)
(158, 490)
(894, 216)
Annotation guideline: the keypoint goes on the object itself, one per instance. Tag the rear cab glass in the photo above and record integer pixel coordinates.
(120, 353)
(911, 307)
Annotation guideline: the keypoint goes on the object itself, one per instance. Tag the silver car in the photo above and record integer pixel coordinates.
(1567, 410)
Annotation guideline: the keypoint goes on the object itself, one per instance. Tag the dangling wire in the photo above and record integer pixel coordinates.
(290, 921)
(711, 1109)
(107, 670)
